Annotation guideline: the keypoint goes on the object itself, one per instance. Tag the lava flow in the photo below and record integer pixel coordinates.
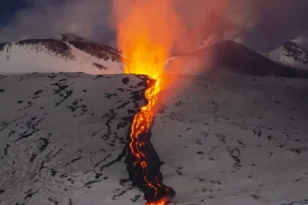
(145, 38)
(143, 161)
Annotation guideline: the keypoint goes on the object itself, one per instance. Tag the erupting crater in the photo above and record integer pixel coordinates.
(146, 41)
(143, 163)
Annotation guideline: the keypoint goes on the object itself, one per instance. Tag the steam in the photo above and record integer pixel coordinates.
(272, 21)
(193, 22)
(48, 18)
(178, 26)
(92, 18)
(213, 20)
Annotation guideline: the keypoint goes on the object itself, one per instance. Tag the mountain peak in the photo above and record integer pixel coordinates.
(296, 52)
(292, 53)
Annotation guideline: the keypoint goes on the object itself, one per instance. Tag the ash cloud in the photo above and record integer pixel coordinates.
(279, 20)
(48, 18)
(260, 24)
(216, 20)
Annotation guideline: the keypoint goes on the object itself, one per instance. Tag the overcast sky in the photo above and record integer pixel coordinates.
(271, 22)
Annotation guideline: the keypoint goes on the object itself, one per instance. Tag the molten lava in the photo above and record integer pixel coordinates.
(145, 165)
(145, 38)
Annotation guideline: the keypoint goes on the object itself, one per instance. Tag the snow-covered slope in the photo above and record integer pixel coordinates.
(230, 141)
(70, 53)
(292, 53)
(54, 55)
(236, 140)
(61, 136)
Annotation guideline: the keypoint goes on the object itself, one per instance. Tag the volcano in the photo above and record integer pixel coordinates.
(75, 138)
(231, 58)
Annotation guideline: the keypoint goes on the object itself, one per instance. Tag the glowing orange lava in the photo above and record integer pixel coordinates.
(145, 39)
(146, 59)
(162, 201)
(144, 62)
(142, 124)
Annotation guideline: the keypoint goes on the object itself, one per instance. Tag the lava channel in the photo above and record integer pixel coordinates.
(143, 163)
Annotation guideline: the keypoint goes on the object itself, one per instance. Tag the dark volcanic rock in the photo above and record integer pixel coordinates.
(231, 58)
(55, 46)
(100, 51)
(294, 51)
(238, 58)
(2, 45)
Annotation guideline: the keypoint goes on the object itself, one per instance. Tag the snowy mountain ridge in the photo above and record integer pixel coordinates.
(292, 53)
(71, 53)
(52, 55)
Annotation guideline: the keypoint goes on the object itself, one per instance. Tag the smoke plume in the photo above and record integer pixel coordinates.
(260, 24)
(190, 23)
(48, 18)
(149, 31)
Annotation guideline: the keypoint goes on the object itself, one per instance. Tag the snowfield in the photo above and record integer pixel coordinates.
(228, 141)
(60, 134)
(235, 140)
(50, 55)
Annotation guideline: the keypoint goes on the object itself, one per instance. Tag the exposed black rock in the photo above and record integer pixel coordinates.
(55, 46)
(239, 58)
(100, 66)
(231, 57)
(100, 51)
(294, 51)
(2, 45)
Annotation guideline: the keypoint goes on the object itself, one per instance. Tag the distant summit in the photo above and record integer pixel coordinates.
(231, 58)
(292, 53)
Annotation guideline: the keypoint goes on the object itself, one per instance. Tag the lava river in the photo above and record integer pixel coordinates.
(146, 41)
(143, 163)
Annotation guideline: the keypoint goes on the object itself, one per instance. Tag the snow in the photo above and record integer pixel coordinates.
(15, 58)
(235, 140)
(58, 134)
(229, 141)
(291, 53)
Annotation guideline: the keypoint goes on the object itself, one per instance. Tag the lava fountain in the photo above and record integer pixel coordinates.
(145, 38)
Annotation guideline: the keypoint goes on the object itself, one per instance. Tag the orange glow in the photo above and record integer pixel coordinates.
(163, 201)
(145, 34)
(145, 38)
(142, 124)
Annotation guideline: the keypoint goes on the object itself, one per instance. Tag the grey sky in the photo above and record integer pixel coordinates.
(264, 24)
